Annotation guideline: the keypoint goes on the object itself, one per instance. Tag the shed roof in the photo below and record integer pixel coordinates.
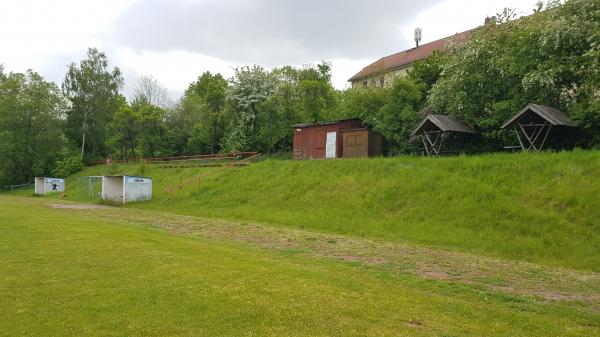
(126, 176)
(407, 57)
(549, 114)
(444, 123)
(305, 125)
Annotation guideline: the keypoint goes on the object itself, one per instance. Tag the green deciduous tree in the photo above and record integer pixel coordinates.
(31, 139)
(317, 93)
(153, 138)
(93, 91)
(205, 100)
(392, 111)
(123, 130)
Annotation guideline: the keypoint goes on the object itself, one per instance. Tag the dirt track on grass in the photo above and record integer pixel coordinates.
(77, 206)
(496, 275)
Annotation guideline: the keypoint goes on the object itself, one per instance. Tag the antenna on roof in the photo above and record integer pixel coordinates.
(418, 35)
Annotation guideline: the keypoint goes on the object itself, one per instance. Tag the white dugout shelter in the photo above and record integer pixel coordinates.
(126, 189)
(44, 185)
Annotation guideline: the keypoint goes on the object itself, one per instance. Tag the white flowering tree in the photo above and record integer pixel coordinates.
(249, 89)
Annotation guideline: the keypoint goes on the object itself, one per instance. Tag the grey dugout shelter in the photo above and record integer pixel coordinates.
(126, 189)
(45, 185)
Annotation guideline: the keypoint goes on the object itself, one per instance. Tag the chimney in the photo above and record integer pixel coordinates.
(489, 20)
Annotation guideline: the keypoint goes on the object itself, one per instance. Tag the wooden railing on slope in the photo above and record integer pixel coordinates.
(206, 174)
(216, 156)
(163, 160)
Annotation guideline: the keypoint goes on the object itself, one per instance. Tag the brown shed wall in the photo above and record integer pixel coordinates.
(310, 141)
(362, 143)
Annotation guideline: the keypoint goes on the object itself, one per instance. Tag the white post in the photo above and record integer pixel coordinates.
(102, 192)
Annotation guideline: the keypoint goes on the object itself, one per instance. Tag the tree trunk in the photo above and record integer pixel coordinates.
(83, 138)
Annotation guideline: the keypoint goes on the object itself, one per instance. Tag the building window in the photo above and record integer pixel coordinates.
(365, 83)
(382, 81)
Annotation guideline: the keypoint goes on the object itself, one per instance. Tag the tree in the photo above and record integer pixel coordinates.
(150, 91)
(152, 135)
(93, 91)
(250, 88)
(31, 140)
(282, 109)
(429, 70)
(317, 93)
(547, 58)
(123, 129)
(364, 102)
(205, 99)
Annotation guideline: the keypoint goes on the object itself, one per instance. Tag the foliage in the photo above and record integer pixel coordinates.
(429, 70)
(205, 99)
(392, 111)
(316, 91)
(150, 91)
(152, 135)
(69, 164)
(139, 130)
(547, 58)
(123, 130)
(30, 131)
(398, 116)
(93, 91)
(250, 88)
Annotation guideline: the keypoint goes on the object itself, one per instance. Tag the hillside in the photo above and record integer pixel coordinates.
(541, 208)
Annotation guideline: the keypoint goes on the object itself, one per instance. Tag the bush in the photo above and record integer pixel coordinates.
(69, 164)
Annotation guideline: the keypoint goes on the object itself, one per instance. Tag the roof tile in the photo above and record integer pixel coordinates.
(407, 57)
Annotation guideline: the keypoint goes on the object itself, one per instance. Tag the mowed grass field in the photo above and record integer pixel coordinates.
(542, 208)
(75, 273)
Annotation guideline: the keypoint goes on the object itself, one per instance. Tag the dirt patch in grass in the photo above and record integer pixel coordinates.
(517, 278)
(78, 206)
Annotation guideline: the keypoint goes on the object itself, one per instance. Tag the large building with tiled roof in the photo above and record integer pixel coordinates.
(383, 71)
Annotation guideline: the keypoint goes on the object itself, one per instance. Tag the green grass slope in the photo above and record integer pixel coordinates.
(67, 273)
(543, 208)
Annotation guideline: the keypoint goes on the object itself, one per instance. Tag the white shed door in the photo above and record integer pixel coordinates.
(330, 149)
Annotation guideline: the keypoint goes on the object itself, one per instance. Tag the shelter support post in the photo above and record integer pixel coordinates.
(432, 141)
(531, 133)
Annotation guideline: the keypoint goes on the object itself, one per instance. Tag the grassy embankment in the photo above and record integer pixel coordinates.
(543, 208)
(65, 272)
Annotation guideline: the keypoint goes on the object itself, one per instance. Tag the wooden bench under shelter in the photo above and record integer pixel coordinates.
(533, 124)
(435, 128)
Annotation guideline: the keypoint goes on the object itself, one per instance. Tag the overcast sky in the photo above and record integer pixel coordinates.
(177, 40)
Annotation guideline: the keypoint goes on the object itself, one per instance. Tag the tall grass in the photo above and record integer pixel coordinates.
(543, 208)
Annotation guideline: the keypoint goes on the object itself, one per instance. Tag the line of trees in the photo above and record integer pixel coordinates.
(551, 57)
(45, 129)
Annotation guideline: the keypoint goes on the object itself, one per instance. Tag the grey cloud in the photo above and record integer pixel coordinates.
(269, 31)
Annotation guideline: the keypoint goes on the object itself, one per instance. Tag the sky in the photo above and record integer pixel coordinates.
(177, 40)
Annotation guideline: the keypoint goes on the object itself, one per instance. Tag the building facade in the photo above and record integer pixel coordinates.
(383, 71)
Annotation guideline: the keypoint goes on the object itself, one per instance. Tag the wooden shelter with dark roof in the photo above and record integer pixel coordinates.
(435, 128)
(533, 124)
